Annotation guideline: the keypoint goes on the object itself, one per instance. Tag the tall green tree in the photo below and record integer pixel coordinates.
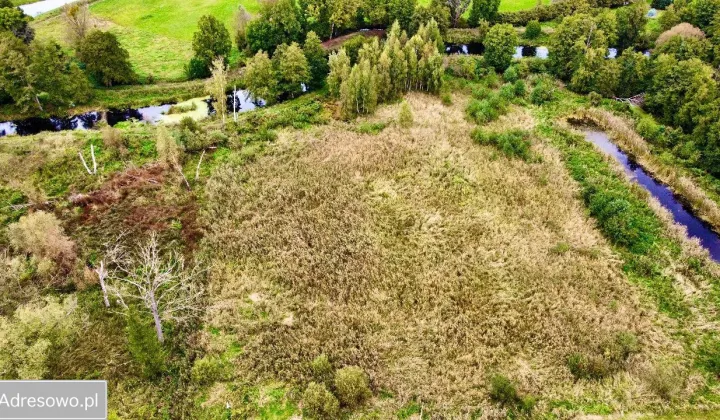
(596, 73)
(568, 43)
(437, 10)
(40, 77)
(13, 20)
(291, 69)
(401, 11)
(260, 79)
(500, 44)
(680, 90)
(631, 21)
(342, 14)
(634, 73)
(216, 87)
(211, 40)
(339, 64)
(316, 59)
(105, 59)
(483, 10)
(280, 22)
(358, 94)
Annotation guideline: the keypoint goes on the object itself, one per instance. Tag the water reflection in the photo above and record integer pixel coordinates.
(696, 228)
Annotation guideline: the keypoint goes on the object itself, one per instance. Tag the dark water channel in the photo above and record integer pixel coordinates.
(148, 114)
(696, 228)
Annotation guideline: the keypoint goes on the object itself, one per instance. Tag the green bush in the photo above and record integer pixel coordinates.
(594, 98)
(511, 74)
(520, 89)
(319, 403)
(507, 92)
(351, 385)
(208, 370)
(322, 370)
(543, 92)
(533, 29)
(504, 392)
(405, 118)
(514, 143)
(463, 66)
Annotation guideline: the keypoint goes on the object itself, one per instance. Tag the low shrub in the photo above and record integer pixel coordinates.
(544, 91)
(463, 66)
(594, 98)
(405, 117)
(533, 29)
(322, 370)
(319, 403)
(511, 74)
(514, 143)
(208, 370)
(351, 385)
(609, 357)
(520, 89)
(41, 235)
(504, 392)
(666, 380)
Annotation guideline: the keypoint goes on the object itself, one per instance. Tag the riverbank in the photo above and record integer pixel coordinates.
(121, 97)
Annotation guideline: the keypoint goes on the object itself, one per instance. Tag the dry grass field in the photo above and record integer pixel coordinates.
(426, 259)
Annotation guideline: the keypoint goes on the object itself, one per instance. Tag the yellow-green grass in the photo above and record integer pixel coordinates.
(157, 34)
(168, 18)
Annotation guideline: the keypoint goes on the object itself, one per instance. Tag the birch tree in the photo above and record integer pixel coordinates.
(216, 85)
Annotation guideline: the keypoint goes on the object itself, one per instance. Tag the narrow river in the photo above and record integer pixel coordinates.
(40, 7)
(696, 228)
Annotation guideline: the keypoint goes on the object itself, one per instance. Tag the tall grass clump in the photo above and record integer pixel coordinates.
(504, 393)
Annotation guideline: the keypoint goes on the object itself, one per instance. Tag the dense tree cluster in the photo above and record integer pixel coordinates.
(291, 69)
(678, 79)
(383, 73)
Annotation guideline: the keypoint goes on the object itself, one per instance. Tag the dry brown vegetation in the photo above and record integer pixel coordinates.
(427, 260)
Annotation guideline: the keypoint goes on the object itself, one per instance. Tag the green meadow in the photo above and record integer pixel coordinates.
(158, 33)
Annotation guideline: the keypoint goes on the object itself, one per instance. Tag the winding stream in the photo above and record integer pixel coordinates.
(696, 228)
(149, 114)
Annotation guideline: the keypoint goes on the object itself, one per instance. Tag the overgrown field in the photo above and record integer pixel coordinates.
(432, 263)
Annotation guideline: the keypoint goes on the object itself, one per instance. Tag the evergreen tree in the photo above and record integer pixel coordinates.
(500, 45)
(211, 40)
(316, 59)
(260, 79)
(13, 20)
(105, 59)
(291, 69)
(339, 64)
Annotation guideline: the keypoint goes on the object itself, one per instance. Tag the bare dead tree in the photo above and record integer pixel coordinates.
(77, 21)
(102, 274)
(158, 280)
(457, 9)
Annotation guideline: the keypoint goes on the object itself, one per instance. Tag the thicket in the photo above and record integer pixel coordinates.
(384, 73)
